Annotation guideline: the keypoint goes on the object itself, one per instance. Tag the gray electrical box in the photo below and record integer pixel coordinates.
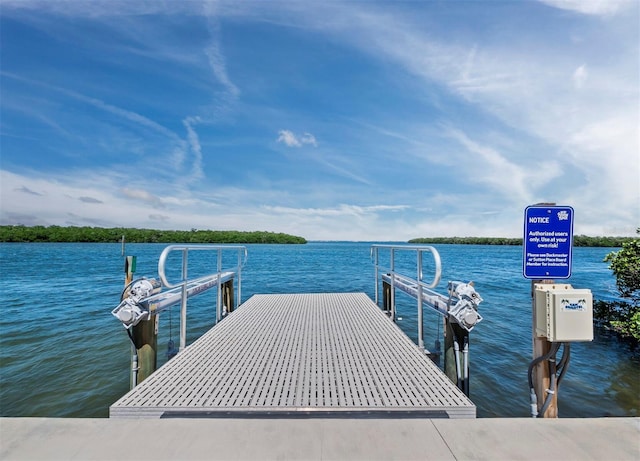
(563, 313)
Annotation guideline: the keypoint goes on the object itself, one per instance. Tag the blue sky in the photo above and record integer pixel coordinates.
(330, 120)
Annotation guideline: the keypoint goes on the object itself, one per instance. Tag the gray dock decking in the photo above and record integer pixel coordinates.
(325, 355)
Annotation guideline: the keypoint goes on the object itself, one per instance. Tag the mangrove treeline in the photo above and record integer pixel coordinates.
(112, 235)
(578, 241)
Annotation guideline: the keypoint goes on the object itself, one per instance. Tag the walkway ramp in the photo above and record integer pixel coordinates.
(299, 355)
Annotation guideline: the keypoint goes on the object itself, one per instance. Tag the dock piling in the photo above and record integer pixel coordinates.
(541, 372)
(227, 297)
(456, 349)
(144, 337)
(386, 297)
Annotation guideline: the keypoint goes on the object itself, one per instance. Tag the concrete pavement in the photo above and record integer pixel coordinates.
(320, 439)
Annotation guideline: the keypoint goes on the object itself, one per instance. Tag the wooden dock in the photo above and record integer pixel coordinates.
(299, 355)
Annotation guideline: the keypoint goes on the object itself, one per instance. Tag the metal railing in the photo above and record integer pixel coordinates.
(202, 283)
(395, 276)
(459, 305)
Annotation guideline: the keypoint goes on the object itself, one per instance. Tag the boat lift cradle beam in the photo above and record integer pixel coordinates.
(463, 311)
(460, 305)
(146, 297)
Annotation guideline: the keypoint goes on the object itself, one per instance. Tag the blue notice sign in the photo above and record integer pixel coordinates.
(548, 239)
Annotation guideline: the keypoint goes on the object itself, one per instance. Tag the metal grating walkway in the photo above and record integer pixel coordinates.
(329, 355)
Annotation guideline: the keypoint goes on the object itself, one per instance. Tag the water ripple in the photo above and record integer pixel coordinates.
(63, 354)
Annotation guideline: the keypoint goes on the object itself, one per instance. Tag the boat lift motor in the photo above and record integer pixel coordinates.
(130, 312)
(465, 310)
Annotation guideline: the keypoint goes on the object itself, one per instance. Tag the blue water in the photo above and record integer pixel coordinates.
(63, 354)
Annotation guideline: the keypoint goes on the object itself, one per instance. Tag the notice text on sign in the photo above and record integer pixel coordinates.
(548, 235)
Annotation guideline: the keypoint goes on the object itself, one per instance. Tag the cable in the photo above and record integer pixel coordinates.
(536, 361)
(465, 366)
(134, 360)
(552, 380)
(171, 345)
(437, 344)
(552, 353)
(128, 285)
(456, 355)
(131, 337)
(564, 362)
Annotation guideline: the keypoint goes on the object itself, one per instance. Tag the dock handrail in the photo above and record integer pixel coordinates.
(184, 280)
(242, 259)
(420, 284)
(459, 304)
(420, 250)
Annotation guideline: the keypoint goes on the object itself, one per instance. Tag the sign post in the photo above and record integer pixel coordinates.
(548, 241)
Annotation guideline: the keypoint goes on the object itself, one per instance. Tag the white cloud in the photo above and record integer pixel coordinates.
(178, 149)
(26, 190)
(159, 217)
(341, 210)
(89, 200)
(196, 148)
(214, 52)
(580, 76)
(219, 68)
(218, 209)
(137, 121)
(292, 140)
(586, 142)
(100, 8)
(591, 7)
(308, 138)
(514, 182)
(288, 138)
(142, 196)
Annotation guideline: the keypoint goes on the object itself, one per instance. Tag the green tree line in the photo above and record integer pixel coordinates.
(132, 235)
(578, 241)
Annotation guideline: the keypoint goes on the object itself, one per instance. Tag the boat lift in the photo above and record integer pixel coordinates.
(146, 298)
(143, 299)
(459, 307)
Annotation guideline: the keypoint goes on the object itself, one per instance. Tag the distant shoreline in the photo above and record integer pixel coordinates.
(578, 241)
(86, 234)
(72, 234)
